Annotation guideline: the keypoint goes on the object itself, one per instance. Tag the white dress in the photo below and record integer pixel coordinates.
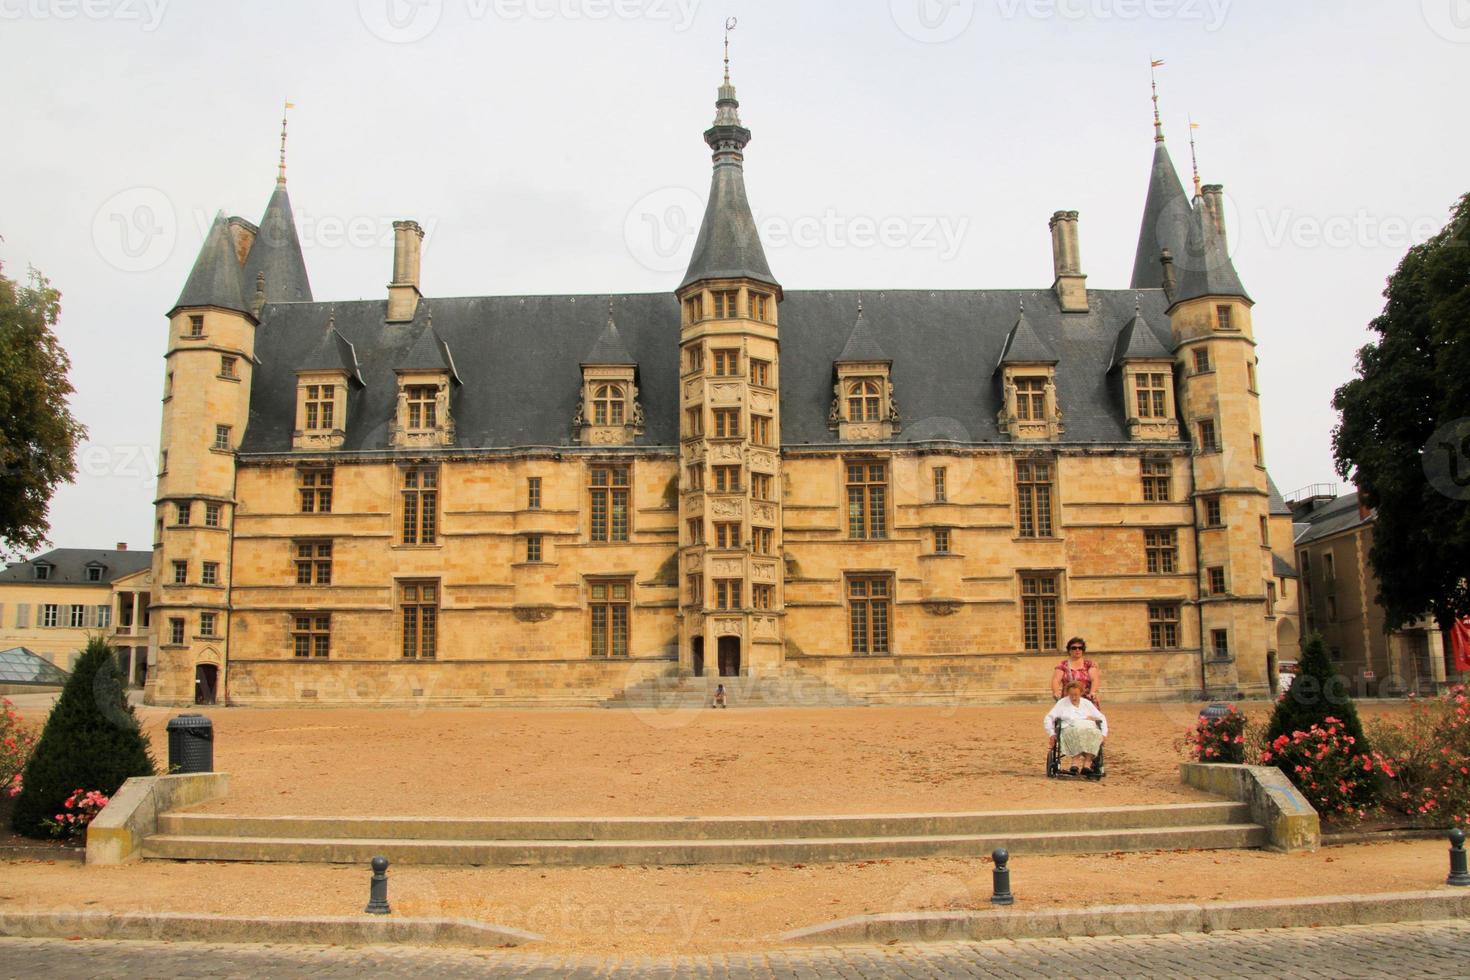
(1083, 726)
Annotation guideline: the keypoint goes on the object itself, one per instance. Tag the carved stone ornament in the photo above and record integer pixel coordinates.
(726, 567)
(763, 512)
(726, 508)
(729, 627)
(941, 607)
(534, 614)
(834, 417)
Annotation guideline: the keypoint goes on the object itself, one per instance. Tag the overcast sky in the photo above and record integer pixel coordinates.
(553, 146)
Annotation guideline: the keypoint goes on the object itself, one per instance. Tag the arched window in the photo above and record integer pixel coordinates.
(608, 405)
(864, 401)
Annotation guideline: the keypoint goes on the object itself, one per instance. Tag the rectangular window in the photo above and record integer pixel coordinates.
(1156, 480)
(869, 608)
(1270, 598)
(321, 407)
(1250, 375)
(196, 325)
(49, 614)
(1224, 318)
(609, 503)
(1163, 626)
(694, 310)
(423, 407)
(760, 306)
(1152, 390)
(694, 358)
(760, 486)
(1201, 360)
(182, 512)
(1217, 580)
(726, 362)
(1265, 533)
(207, 622)
(181, 572)
(211, 515)
(104, 617)
(941, 484)
(227, 366)
(760, 373)
(867, 500)
(1220, 642)
(760, 430)
(176, 631)
(76, 616)
(168, 386)
(696, 589)
(1039, 611)
(209, 573)
(311, 635)
(162, 461)
(727, 593)
(864, 400)
(941, 540)
(418, 614)
(533, 493)
(1329, 569)
(727, 304)
(1332, 608)
(316, 491)
(94, 574)
(609, 605)
(695, 526)
(1213, 514)
(694, 476)
(727, 535)
(727, 423)
(420, 505)
(1259, 450)
(727, 479)
(1208, 441)
(1162, 550)
(1031, 399)
(1033, 498)
(693, 422)
(533, 547)
(313, 563)
(762, 596)
(760, 540)
(221, 437)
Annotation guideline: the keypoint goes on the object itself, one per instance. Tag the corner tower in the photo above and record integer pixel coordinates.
(730, 428)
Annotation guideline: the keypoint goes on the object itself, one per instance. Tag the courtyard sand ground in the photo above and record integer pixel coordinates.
(462, 762)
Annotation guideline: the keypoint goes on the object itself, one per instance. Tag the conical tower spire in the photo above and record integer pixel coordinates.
(215, 279)
(1165, 221)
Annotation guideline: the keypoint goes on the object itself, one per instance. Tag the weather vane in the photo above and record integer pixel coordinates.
(1194, 155)
(1153, 73)
(281, 173)
(730, 23)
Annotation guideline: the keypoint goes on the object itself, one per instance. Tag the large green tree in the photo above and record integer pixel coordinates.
(38, 435)
(1404, 433)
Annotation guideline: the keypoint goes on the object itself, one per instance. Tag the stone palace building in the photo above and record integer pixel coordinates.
(903, 494)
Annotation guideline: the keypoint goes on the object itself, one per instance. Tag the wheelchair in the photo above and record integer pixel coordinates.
(1054, 768)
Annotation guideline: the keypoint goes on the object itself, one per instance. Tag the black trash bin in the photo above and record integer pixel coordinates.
(190, 744)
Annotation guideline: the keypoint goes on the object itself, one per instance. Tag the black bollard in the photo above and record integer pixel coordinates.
(1459, 874)
(378, 890)
(1001, 878)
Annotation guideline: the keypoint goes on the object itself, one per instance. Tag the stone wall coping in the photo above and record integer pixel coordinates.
(116, 835)
(1291, 822)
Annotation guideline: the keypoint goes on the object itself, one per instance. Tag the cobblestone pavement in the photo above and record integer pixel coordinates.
(1426, 949)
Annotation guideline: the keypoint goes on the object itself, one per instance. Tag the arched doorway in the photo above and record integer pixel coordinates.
(206, 683)
(696, 653)
(729, 654)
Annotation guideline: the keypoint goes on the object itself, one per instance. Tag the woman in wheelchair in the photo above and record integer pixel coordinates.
(1075, 732)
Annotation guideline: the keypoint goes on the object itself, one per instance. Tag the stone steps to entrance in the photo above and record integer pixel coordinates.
(792, 689)
(700, 840)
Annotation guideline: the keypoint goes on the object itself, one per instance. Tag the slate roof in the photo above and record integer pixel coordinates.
(1279, 506)
(862, 343)
(522, 353)
(1165, 222)
(609, 348)
(333, 352)
(1137, 342)
(277, 253)
(215, 278)
(1281, 568)
(428, 352)
(69, 566)
(1205, 267)
(1331, 518)
(1023, 346)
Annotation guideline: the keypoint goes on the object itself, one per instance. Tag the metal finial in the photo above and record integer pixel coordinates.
(1138, 303)
(1194, 156)
(1023, 306)
(332, 319)
(730, 23)
(1153, 72)
(281, 173)
(860, 306)
(609, 309)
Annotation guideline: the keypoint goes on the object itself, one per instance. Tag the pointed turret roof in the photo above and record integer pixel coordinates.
(428, 353)
(215, 278)
(609, 347)
(1138, 342)
(333, 353)
(277, 253)
(728, 246)
(1024, 346)
(1205, 267)
(1165, 221)
(862, 343)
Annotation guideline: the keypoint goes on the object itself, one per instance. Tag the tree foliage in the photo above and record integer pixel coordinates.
(1412, 389)
(38, 435)
(91, 742)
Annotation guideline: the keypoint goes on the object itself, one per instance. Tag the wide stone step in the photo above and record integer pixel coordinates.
(687, 852)
(1180, 815)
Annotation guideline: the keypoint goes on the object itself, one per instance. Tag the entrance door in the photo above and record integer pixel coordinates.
(696, 647)
(206, 683)
(729, 654)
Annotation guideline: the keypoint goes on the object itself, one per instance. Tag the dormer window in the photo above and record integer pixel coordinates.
(1031, 399)
(422, 407)
(1152, 393)
(43, 573)
(608, 412)
(321, 407)
(94, 573)
(864, 400)
(609, 405)
(863, 409)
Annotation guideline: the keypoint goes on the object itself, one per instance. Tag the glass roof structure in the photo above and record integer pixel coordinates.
(20, 666)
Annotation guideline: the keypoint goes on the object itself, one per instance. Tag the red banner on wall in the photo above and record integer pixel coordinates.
(1460, 643)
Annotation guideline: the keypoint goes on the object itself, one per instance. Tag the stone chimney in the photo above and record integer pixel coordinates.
(403, 291)
(1214, 196)
(122, 546)
(1066, 255)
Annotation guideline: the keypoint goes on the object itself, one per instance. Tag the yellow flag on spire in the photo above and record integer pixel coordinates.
(1159, 63)
(290, 105)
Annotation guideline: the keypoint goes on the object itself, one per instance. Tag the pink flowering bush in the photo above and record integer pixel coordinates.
(1329, 769)
(81, 807)
(16, 743)
(1221, 739)
(1423, 761)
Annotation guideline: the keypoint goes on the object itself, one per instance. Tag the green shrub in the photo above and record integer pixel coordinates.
(1318, 693)
(91, 740)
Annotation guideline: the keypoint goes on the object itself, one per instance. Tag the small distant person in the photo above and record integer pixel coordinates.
(1076, 667)
(720, 697)
(1083, 730)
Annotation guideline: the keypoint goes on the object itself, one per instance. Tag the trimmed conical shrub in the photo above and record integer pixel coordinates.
(91, 741)
(1319, 692)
